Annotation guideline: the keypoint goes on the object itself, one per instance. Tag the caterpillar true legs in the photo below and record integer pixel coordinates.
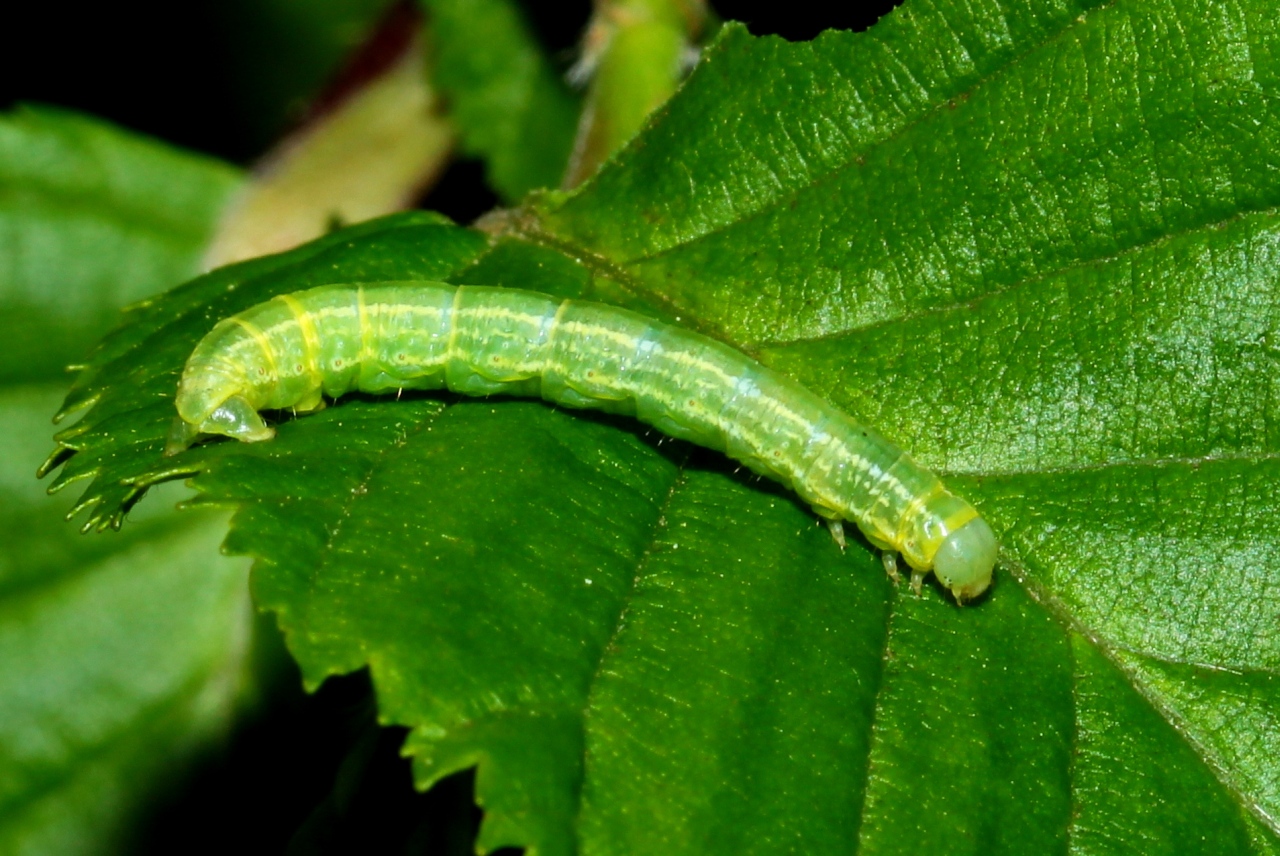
(293, 350)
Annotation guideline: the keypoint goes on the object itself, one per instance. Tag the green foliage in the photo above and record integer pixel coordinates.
(1036, 246)
(510, 106)
(120, 656)
(92, 219)
(635, 51)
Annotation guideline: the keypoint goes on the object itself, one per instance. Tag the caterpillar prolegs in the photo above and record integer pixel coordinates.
(293, 350)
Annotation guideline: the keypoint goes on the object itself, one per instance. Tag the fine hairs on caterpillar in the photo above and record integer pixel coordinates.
(295, 349)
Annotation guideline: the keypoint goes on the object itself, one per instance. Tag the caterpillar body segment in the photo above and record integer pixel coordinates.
(297, 349)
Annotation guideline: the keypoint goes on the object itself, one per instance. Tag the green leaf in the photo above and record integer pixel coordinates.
(511, 107)
(635, 53)
(1036, 247)
(120, 656)
(91, 218)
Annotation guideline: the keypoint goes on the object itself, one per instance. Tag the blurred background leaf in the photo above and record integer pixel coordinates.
(121, 658)
(513, 109)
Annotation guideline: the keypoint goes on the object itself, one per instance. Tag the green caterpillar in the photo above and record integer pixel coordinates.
(293, 350)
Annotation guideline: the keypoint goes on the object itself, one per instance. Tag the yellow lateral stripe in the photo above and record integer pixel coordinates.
(915, 506)
(451, 347)
(362, 311)
(261, 338)
(554, 330)
(310, 338)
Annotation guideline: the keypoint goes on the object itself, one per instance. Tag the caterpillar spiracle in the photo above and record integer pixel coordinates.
(295, 349)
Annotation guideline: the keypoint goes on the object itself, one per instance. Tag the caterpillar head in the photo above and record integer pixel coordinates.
(212, 400)
(966, 558)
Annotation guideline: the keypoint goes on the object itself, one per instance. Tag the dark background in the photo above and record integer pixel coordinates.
(183, 71)
(306, 774)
